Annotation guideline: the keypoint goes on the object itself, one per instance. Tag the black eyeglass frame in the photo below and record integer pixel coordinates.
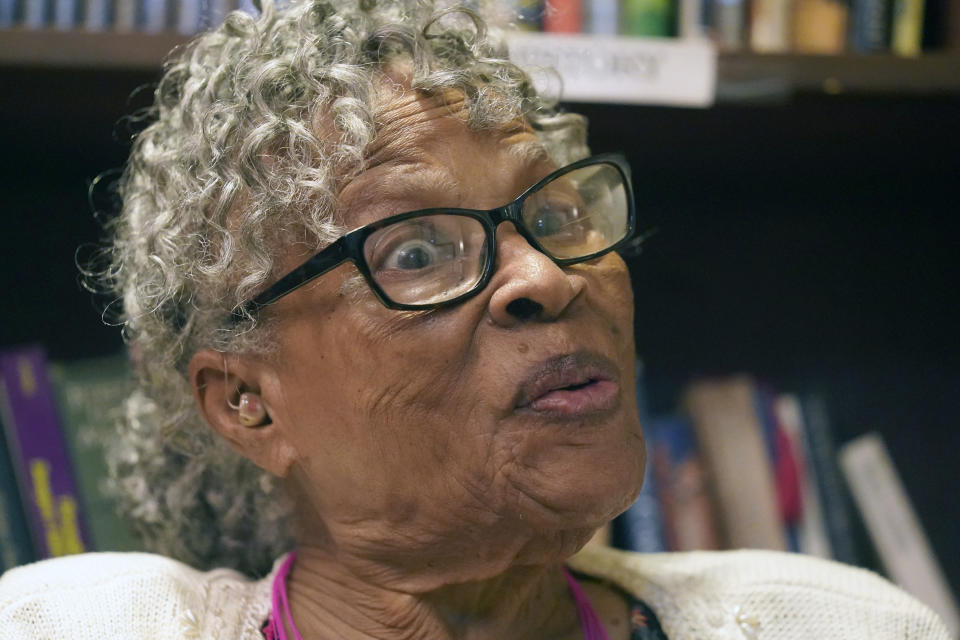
(350, 245)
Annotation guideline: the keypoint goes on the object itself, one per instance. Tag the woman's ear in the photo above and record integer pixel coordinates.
(234, 401)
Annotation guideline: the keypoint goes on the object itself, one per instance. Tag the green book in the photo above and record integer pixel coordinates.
(654, 18)
(90, 395)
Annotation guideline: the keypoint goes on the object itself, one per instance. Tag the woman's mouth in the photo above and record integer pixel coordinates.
(570, 385)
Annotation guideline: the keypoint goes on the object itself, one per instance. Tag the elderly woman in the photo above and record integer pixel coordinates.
(385, 346)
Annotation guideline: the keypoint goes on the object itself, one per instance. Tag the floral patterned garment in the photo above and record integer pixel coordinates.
(643, 622)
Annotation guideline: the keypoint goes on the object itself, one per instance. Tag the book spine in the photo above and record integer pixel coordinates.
(36, 14)
(783, 459)
(894, 528)
(820, 26)
(812, 531)
(154, 15)
(65, 14)
(602, 17)
(729, 27)
(647, 18)
(736, 457)
(952, 35)
(563, 16)
(689, 520)
(37, 446)
(8, 13)
(15, 546)
(96, 15)
(188, 16)
(831, 489)
(91, 395)
(640, 528)
(692, 19)
(907, 31)
(770, 26)
(125, 15)
(870, 26)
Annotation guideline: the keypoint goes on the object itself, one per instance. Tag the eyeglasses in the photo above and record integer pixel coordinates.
(437, 257)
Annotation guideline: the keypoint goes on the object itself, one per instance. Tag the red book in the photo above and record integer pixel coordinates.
(562, 16)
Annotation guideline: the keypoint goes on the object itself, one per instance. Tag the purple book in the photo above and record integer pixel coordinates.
(38, 452)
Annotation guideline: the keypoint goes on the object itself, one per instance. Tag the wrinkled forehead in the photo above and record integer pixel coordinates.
(424, 141)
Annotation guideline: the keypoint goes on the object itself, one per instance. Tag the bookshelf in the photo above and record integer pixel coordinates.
(806, 229)
(739, 76)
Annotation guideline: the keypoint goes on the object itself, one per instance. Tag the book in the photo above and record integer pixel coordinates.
(693, 21)
(15, 545)
(729, 24)
(906, 38)
(952, 35)
(153, 15)
(39, 455)
(785, 464)
(640, 527)
(836, 506)
(733, 448)
(648, 18)
(37, 14)
(66, 14)
(770, 25)
(820, 26)
(811, 533)
(124, 15)
(9, 10)
(894, 528)
(188, 16)
(96, 15)
(601, 17)
(91, 395)
(689, 519)
(870, 26)
(562, 16)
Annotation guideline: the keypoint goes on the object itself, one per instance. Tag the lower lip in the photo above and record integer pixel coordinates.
(598, 396)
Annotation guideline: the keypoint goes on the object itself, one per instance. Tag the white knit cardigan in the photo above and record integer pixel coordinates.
(738, 595)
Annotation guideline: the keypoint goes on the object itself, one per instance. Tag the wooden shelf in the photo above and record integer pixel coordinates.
(85, 50)
(743, 73)
(740, 76)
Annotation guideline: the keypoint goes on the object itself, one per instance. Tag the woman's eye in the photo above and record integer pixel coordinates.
(411, 255)
(552, 219)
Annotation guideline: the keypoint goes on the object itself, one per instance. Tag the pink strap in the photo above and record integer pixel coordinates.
(280, 607)
(590, 623)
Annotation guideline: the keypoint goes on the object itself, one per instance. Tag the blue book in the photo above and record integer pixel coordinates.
(640, 528)
(8, 13)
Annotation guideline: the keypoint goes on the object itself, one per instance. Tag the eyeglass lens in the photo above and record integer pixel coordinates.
(433, 258)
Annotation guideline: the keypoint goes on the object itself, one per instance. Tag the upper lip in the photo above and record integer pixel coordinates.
(561, 371)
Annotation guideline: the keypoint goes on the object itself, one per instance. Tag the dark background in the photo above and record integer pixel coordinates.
(813, 243)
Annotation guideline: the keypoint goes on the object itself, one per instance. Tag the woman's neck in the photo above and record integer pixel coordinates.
(329, 601)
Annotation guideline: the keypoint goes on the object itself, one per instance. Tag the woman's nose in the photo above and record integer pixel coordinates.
(527, 284)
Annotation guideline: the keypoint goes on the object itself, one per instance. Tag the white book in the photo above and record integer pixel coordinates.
(894, 528)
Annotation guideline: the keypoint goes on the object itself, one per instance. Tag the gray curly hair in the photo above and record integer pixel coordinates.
(232, 162)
